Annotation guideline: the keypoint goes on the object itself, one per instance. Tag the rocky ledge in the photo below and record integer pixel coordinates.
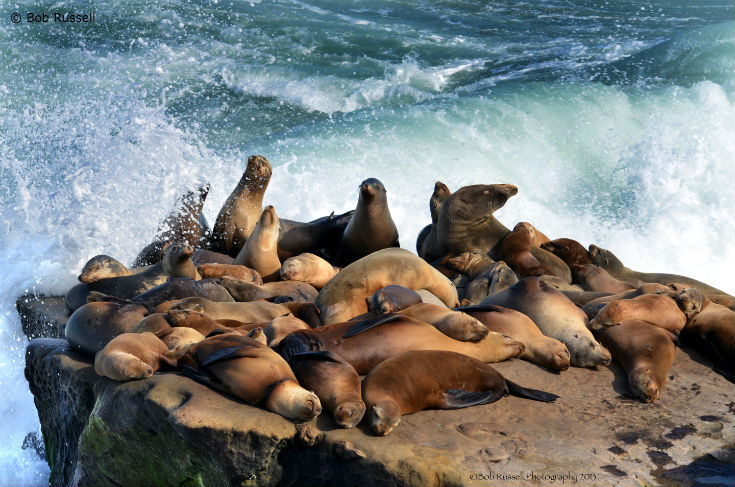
(169, 430)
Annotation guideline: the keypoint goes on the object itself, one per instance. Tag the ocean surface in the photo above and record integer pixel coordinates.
(615, 119)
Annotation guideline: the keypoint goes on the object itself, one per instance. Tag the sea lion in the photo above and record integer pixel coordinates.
(645, 351)
(308, 268)
(427, 243)
(344, 295)
(429, 297)
(236, 271)
(454, 324)
(371, 228)
(278, 328)
(596, 279)
(239, 215)
(656, 309)
(334, 381)
(260, 251)
(155, 323)
(185, 223)
(537, 238)
(364, 344)
(540, 349)
(556, 316)
(392, 298)
(177, 261)
(193, 319)
(320, 237)
(473, 264)
(416, 380)
(608, 261)
(249, 370)
(246, 312)
(499, 277)
(515, 250)
(93, 325)
(568, 250)
(132, 356)
(712, 331)
(247, 291)
(174, 288)
(306, 312)
(103, 267)
(560, 284)
(592, 306)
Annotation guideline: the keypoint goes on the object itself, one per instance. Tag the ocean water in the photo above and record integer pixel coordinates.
(614, 119)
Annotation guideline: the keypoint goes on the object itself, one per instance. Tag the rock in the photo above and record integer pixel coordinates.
(169, 430)
(42, 316)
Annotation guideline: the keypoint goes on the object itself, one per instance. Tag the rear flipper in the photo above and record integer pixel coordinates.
(534, 394)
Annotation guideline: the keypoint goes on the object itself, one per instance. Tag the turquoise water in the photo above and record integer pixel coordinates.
(614, 119)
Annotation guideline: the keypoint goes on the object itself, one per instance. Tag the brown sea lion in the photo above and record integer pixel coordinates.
(596, 279)
(334, 381)
(540, 349)
(278, 328)
(93, 325)
(230, 270)
(454, 324)
(320, 237)
(473, 264)
(645, 351)
(260, 251)
(422, 379)
(712, 331)
(556, 316)
(537, 238)
(246, 312)
(132, 356)
(371, 228)
(608, 261)
(656, 309)
(308, 268)
(560, 284)
(240, 213)
(498, 278)
(391, 299)
(568, 250)
(344, 295)
(193, 319)
(689, 299)
(177, 261)
(103, 267)
(155, 323)
(427, 243)
(249, 370)
(292, 290)
(592, 306)
(306, 312)
(366, 343)
(515, 250)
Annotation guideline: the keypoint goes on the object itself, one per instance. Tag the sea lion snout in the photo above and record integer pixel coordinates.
(349, 414)
(384, 417)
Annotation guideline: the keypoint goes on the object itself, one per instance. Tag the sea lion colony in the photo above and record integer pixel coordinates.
(294, 313)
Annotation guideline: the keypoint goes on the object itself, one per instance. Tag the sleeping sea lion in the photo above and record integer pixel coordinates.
(230, 270)
(260, 251)
(712, 331)
(596, 279)
(256, 312)
(93, 325)
(515, 250)
(391, 299)
(656, 309)
(454, 324)
(132, 356)
(568, 250)
(308, 268)
(292, 290)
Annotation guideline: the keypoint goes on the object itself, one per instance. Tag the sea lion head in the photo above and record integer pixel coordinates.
(349, 413)
(690, 300)
(290, 400)
(257, 170)
(466, 262)
(174, 255)
(269, 218)
(502, 277)
(371, 188)
(469, 329)
(101, 267)
(605, 259)
(440, 194)
(590, 353)
(643, 386)
(478, 201)
(384, 417)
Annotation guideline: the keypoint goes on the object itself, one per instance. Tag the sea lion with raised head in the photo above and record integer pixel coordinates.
(392, 298)
(568, 250)
(230, 270)
(645, 351)
(249, 370)
(344, 295)
(308, 268)
(320, 237)
(371, 228)
(287, 290)
(515, 250)
(596, 279)
(556, 316)
(260, 251)
(537, 238)
(366, 343)
(132, 356)
(93, 325)
(656, 309)
(177, 261)
(427, 243)
(422, 379)
(334, 381)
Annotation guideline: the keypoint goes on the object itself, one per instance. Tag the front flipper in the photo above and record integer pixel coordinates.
(203, 376)
(534, 394)
(459, 398)
(369, 323)
(481, 308)
(324, 355)
(229, 353)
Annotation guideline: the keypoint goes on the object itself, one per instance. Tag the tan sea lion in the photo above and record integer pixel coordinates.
(240, 213)
(132, 356)
(429, 297)
(560, 284)
(277, 329)
(568, 250)
(515, 250)
(593, 306)
(194, 319)
(103, 267)
(416, 380)
(306, 312)
(230, 270)
(473, 264)
(155, 323)
(712, 331)
(427, 243)
(260, 251)
(365, 344)
(596, 279)
(93, 325)
(334, 381)
(288, 290)
(608, 261)
(645, 351)
(344, 295)
(249, 370)
(371, 228)
(308, 268)
(537, 238)
(656, 309)
(556, 316)
(391, 299)
(246, 312)
(454, 324)
(540, 349)
(177, 261)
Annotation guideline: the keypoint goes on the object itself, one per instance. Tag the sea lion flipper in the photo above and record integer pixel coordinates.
(369, 323)
(228, 353)
(459, 398)
(534, 394)
(324, 355)
(203, 377)
(479, 308)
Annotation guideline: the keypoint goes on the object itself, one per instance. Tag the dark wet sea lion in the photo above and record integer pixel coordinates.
(292, 290)
(391, 299)
(427, 243)
(334, 381)
(241, 211)
(132, 356)
(319, 237)
(712, 331)
(260, 251)
(365, 344)
(177, 261)
(371, 228)
(568, 250)
(416, 380)
(93, 325)
(103, 267)
(645, 351)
